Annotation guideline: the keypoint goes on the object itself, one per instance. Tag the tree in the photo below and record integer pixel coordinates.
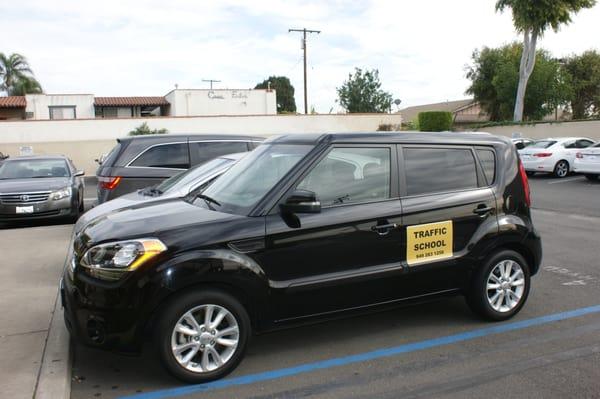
(144, 129)
(16, 77)
(584, 74)
(494, 79)
(284, 91)
(532, 18)
(362, 93)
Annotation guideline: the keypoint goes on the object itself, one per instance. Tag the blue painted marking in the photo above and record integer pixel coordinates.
(362, 357)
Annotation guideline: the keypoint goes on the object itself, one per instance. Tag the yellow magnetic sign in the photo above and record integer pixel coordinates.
(428, 242)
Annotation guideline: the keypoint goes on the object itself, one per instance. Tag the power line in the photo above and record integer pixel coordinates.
(304, 32)
(211, 81)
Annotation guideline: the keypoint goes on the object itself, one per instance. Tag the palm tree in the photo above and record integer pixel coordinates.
(16, 77)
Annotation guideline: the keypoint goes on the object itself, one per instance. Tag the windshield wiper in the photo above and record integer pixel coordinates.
(208, 199)
(152, 192)
(340, 200)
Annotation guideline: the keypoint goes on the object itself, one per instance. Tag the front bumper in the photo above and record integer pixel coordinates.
(39, 210)
(586, 167)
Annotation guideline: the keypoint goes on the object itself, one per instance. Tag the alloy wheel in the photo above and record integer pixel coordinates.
(505, 286)
(562, 169)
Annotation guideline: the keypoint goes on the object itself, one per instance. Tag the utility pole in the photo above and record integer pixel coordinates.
(211, 81)
(304, 32)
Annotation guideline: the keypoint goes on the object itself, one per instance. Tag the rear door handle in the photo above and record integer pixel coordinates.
(482, 210)
(383, 229)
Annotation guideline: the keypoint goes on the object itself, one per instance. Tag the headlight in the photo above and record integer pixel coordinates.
(110, 261)
(62, 193)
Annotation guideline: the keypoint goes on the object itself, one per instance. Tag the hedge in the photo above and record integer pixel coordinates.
(435, 121)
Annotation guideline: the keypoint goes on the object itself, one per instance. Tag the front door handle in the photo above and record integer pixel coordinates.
(383, 229)
(482, 210)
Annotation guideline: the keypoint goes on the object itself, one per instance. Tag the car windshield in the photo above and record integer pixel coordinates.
(198, 174)
(240, 188)
(542, 144)
(34, 168)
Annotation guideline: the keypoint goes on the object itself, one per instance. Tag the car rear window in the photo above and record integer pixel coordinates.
(542, 144)
(171, 156)
(206, 151)
(432, 170)
(488, 163)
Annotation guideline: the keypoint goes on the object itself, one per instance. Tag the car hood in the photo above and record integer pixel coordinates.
(31, 185)
(149, 219)
(128, 201)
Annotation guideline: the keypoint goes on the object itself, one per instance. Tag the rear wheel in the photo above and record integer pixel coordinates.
(500, 288)
(529, 173)
(591, 176)
(561, 169)
(202, 336)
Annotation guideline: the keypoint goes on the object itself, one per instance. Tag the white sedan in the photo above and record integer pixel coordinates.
(587, 161)
(553, 155)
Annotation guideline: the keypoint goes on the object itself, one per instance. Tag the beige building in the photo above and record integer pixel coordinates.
(464, 111)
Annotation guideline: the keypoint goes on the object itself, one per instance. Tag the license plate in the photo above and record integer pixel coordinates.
(25, 209)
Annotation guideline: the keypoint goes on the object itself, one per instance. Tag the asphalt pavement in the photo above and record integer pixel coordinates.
(550, 350)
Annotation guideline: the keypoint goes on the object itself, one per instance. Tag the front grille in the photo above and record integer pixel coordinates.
(24, 198)
(29, 215)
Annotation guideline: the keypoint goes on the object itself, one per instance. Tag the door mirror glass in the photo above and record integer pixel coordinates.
(520, 145)
(79, 173)
(301, 201)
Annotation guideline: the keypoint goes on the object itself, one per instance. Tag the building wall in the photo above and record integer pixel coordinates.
(221, 102)
(589, 129)
(85, 140)
(39, 104)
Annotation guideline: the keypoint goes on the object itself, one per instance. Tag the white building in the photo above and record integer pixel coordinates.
(178, 102)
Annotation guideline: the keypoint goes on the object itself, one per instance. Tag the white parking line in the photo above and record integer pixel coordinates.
(566, 180)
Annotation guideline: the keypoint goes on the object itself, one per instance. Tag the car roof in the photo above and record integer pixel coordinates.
(156, 138)
(35, 157)
(393, 137)
(565, 138)
(235, 157)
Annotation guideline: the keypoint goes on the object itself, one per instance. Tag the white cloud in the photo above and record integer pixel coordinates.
(145, 47)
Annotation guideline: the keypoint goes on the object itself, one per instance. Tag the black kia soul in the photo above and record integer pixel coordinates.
(306, 227)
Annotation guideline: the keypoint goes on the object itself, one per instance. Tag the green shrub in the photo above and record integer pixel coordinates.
(435, 121)
(144, 129)
(388, 127)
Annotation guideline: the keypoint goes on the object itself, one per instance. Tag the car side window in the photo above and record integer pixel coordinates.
(205, 151)
(350, 175)
(488, 163)
(583, 143)
(172, 156)
(569, 144)
(433, 170)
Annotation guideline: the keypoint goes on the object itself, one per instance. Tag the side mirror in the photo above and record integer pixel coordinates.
(520, 145)
(301, 201)
(79, 173)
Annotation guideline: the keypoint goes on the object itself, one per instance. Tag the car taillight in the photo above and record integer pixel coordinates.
(543, 154)
(110, 182)
(525, 182)
(579, 155)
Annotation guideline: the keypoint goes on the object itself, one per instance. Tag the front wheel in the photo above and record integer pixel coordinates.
(202, 336)
(500, 288)
(561, 169)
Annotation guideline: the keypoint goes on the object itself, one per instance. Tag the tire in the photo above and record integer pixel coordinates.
(561, 169)
(530, 173)
(591, 176)
(480, 297)
(177, 312)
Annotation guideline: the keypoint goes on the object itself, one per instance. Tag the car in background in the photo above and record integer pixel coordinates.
(587, 162)
(41, 186)
(553, 155)
(143, 161)
(521, 142)
(3, 157)
(193, 180)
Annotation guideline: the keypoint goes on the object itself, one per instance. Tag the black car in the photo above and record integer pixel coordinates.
(42, 186)
(306, 227)
(143, 161)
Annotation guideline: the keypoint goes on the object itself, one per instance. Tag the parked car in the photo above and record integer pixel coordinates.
(587, 161)
(42, 186)
(142, 161)
(553, 155)
(191, 181)
(295, 233)
(521, 142)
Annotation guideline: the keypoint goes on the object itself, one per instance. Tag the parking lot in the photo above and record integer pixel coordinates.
(434, 350)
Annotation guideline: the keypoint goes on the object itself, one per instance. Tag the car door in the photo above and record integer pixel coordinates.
(446, 203)
(338, 258)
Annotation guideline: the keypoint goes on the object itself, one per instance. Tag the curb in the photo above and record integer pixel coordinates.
(54, 381)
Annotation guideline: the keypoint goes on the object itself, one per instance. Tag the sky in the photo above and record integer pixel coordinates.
(145, 47)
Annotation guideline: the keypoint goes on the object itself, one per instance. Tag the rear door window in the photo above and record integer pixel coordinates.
(583, 143)
(170, 156)
(205, 151)
(488, 164)
(433, 170)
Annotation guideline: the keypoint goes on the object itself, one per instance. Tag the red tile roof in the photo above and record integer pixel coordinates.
(13, 102)
(129, 101)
